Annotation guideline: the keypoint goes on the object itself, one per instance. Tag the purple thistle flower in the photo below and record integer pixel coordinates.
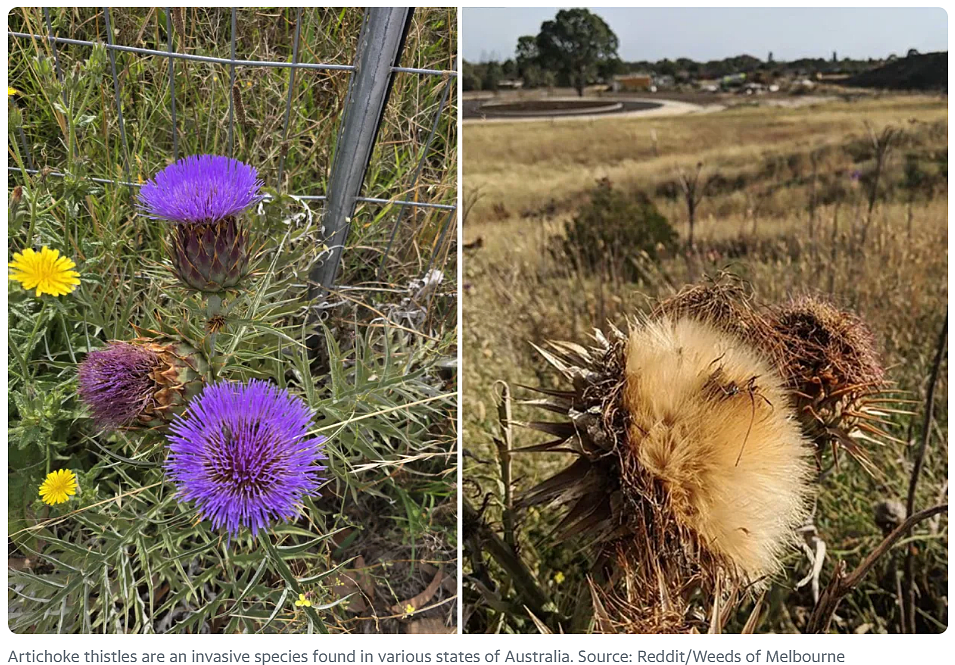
(116, 383)
(243, 455)
(201, 189)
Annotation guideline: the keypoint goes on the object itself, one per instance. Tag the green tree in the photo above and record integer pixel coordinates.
(471, 77)
(575, 45)
(492, 75)
(527, 55)
(509, 69)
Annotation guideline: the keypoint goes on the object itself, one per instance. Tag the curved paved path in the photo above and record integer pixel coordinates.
(630, 107)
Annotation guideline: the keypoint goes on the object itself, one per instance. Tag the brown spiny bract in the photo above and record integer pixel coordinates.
(178, 377)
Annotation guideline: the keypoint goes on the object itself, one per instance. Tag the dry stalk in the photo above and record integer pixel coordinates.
(909, 583)
(882, 143)
(504, 444)
(841, 584)
(693, 193)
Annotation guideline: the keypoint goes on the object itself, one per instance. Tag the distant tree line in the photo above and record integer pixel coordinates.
(577, 48)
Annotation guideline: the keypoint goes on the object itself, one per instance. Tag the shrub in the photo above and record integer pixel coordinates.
(614, 228)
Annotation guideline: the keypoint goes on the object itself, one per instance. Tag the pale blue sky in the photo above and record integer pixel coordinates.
(716, 33)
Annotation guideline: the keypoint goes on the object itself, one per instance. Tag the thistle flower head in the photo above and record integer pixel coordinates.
(116, 382)
(243, 455)
(201, 189)
(834, 373)
(821, 337)
(204, 195)
(129, 382)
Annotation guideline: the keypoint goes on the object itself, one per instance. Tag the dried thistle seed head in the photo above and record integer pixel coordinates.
(819, 338)
(833, 371)
(690, 476)
(727, 303)
(711, 421)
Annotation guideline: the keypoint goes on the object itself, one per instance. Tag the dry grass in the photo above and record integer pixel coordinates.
(526, 166)
(528, 179)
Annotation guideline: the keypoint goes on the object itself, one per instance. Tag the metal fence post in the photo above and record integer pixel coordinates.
(379, 50)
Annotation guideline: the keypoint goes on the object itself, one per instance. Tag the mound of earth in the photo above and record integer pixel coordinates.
(927, 71)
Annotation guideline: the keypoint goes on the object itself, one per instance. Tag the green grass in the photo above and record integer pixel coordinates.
(124, 555)
(755, 224)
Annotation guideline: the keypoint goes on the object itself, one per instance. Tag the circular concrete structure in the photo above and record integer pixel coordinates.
(552, 108)
(482, 108)
(538, 108)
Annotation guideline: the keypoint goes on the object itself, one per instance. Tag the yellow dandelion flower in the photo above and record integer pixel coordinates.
(303, 601)
(46, 271)
(409, 610)
(559, 577)
(12, 91)
(58, 487)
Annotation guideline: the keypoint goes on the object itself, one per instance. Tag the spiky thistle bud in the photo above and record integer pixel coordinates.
(139, 383)
(204, 196)
(16, 198)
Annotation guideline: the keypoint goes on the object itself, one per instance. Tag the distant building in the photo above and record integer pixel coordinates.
(632, 83)
(733, 81)
(664, 81)
(510, 84)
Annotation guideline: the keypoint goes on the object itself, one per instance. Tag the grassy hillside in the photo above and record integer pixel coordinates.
(786, 209)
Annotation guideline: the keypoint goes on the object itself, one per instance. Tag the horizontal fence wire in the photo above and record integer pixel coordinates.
(224, 61)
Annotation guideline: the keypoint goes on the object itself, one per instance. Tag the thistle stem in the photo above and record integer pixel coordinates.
(31, 341)
(213, 307)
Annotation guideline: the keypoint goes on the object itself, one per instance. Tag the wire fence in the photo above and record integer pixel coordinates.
(372, 75)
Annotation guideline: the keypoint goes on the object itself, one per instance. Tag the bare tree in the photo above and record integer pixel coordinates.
(761, 198)
(693, 193)
(882, 144)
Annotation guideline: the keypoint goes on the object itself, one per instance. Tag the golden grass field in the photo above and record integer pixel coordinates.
(786, 210)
